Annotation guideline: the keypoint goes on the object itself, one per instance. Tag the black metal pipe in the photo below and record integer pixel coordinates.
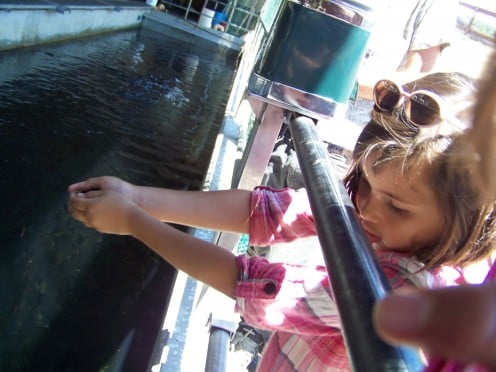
(356, 278)
(218, 344)
(218, 349)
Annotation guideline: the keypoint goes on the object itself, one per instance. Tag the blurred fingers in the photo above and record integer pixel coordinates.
(87, 185)
(457, 322)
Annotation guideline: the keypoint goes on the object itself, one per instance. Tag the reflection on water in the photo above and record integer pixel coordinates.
(137, 105)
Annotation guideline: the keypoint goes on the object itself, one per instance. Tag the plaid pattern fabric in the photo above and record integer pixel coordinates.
(295, 301)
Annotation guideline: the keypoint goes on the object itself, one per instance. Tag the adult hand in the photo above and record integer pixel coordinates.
(456, 323)
(106, 211)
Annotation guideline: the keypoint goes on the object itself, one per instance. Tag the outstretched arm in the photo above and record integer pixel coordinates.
(108, 211)
(226, 210)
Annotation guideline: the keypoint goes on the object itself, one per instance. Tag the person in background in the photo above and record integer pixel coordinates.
(423, 225)
(408, 39)
(429, 30)
(457, 324)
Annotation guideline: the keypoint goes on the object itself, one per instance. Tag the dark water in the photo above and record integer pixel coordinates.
(138, 105)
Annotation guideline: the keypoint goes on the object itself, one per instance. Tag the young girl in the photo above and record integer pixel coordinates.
(457, 323)
(423, 222)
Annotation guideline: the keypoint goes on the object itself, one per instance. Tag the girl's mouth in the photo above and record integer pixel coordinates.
(372, 238)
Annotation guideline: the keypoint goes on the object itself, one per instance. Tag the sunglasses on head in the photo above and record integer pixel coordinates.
(421, 107)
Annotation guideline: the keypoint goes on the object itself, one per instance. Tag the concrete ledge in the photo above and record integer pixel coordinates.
(27, 25)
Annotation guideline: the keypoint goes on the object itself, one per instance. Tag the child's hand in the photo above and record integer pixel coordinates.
(106, 211)
(104, 183)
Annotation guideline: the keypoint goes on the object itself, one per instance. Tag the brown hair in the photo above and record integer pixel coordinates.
(469, 224)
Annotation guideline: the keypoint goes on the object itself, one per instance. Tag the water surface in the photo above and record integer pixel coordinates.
(134, 104)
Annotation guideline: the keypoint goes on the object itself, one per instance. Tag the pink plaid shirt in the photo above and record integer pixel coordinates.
(296, 302)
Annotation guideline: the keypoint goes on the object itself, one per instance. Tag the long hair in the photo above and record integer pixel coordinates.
(469, 224)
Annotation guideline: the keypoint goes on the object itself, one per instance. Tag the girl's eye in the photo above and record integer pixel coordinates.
(395, 209)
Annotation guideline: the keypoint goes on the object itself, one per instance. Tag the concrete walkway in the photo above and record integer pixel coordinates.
(33, 22)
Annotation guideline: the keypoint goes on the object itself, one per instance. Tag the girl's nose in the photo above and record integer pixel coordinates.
(369, 208)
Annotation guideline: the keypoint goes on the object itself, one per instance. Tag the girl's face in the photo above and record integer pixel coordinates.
(396, 212)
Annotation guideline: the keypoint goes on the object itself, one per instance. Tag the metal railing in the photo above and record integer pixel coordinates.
(471, 28)
(240, 16)
(356, 279)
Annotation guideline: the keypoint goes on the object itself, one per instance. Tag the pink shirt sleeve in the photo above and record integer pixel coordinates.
(284, 297)
(299, 298)
(279, 215)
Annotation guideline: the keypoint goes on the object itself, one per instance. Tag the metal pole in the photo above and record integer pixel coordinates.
(218, 344)
(356, 279)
